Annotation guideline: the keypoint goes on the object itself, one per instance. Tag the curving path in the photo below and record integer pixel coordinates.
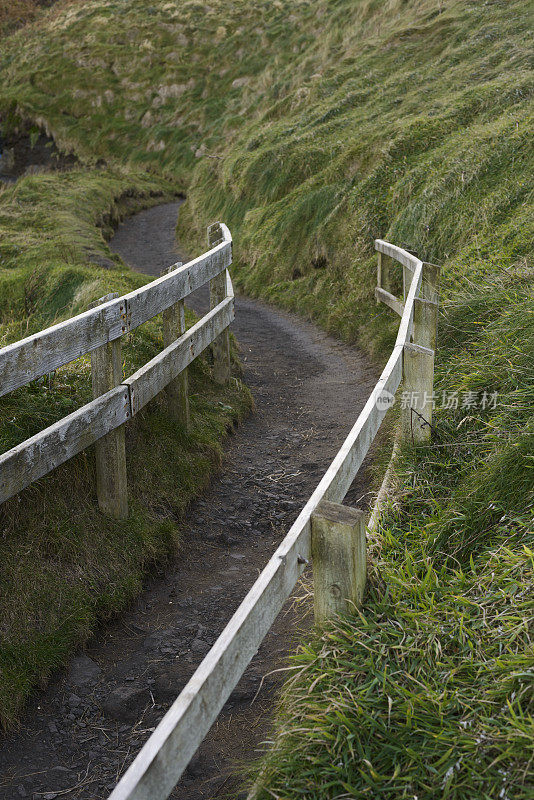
(78, 736)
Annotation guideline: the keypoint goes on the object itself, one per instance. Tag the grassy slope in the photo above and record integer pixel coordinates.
(311, 128)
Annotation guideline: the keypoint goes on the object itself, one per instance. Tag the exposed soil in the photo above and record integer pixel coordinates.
(24, 154)
(79, 735)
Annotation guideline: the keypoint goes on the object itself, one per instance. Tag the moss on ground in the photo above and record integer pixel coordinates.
(312, 128)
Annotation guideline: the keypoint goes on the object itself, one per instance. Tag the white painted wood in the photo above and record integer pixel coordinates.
(397, 253)
(415, 266)
(221, 357)
(154, 376)
(30, 460)
(155, 297)
(221, 345)
(390, 300)
(43, 352)
(339, 559)
(37, 456)
(91, 331)
(226, 235)
(406, 325)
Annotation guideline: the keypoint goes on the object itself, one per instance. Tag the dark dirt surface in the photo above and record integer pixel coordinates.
(79, 735)
(20, 154)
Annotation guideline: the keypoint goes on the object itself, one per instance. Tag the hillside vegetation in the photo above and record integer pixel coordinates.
(311, 128)
(14, 13)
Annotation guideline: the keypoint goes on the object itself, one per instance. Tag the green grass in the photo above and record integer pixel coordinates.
(312, 127)
(425, 694)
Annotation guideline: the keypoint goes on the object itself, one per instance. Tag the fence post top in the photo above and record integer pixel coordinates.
(215, 233)
(336, 512)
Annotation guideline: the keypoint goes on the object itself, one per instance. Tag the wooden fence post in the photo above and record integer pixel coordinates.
(111, 478)
(418, 387)
(339, 559)
(418, 361)
(430, 282)
(221, 345)
(178, 389)
(383, 277)
(425, 323)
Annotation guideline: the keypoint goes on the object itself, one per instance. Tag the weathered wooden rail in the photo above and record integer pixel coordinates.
(116, 400)
(332, 534)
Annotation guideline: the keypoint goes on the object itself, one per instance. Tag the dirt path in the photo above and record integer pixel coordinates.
(78, 736)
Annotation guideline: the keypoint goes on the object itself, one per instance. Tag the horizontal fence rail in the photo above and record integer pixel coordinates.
(166, 754)
(94, 332)
(37, 355)
(154, 376)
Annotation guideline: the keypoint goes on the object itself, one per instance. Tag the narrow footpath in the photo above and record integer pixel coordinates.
(77, 736)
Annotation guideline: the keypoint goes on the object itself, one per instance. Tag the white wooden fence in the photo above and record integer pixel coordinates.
(333, 534)
(116, 400)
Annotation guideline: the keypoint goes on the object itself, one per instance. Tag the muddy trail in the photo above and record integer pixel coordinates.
(78, 735)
